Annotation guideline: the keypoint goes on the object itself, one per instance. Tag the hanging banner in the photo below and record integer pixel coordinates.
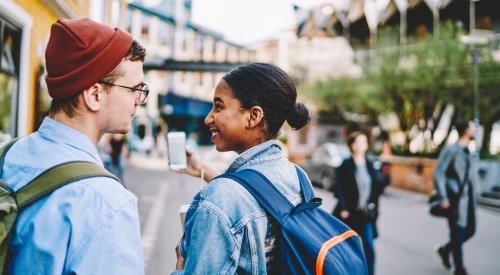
(374, 10)
(402, 5)
(434, 5)
(342, 10)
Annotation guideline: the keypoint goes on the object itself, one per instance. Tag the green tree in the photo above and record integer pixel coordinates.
(412, 81)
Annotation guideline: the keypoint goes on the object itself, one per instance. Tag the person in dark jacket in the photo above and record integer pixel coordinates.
(115, 162)
(454, 179)
(359, 186)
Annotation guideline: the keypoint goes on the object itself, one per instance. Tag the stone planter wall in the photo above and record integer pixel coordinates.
(489, 174)
(412, 173)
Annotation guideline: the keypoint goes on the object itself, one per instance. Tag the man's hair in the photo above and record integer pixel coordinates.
(70, 106)
(462, 126)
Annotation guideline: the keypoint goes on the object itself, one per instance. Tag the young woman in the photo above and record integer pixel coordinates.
(359, 186)
(226, 231)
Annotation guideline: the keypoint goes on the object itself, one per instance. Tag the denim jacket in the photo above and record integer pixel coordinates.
(226, 231)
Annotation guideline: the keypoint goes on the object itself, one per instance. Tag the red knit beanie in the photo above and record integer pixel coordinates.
(80, 53)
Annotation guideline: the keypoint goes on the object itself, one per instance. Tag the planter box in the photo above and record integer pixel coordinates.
(412, 173)
(489, 175)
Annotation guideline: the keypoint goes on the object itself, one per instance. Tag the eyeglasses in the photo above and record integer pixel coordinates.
(143, 88)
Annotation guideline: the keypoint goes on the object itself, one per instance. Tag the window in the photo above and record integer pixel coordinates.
(97, 10)
(199, 47)
(144, 25)
(115, 13)
(128, 22)
(164, 33)
(10, 47)
(199, 78)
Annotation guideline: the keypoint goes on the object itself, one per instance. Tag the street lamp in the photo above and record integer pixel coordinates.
(475, 40)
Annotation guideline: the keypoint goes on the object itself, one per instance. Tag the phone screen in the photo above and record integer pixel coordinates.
(176, 143)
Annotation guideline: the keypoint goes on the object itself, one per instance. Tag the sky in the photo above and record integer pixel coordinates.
(246, 21)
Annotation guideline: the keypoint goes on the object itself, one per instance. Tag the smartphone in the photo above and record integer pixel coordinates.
(176, 144)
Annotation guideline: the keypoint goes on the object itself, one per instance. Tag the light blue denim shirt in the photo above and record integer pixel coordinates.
(226, 230)
(90, 226)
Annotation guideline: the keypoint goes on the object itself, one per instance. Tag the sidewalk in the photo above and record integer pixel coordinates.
(408, 235)
(405, 246)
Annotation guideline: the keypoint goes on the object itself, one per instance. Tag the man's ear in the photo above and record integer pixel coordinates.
(93, 97)
(256, 114)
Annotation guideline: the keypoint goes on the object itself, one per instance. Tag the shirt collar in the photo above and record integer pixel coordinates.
(269, 150)
(61, 133)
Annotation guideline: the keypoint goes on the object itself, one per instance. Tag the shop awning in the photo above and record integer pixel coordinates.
(182, 106)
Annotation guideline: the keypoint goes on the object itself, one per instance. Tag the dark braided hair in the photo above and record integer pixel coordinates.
(267, 86)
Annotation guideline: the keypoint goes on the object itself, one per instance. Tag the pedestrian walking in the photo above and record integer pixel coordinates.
(454, 179)
(359, 184)
(226, 231)
(115, 159)
(90, 226)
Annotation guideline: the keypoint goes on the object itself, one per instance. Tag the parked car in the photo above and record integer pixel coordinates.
(320, 167)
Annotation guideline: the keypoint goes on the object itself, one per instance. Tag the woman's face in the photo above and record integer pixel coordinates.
(360, 145)
(227, 121)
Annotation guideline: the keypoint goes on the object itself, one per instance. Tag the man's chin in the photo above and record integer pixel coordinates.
(120, 131)
(125, 129)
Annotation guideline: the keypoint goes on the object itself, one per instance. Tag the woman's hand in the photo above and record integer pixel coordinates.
(195, 164)
(344, 214)
(180, 260)
(196, 167)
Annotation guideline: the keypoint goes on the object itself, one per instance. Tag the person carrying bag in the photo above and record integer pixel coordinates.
(436, 200)
(454, 180)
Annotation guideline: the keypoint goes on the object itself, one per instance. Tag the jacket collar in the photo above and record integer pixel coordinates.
(269, 150)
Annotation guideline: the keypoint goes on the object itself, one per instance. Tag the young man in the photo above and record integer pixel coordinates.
(90, 226)
(454, 177)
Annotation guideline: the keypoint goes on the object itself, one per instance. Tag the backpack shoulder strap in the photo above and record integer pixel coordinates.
(268, 196)
(305, 186)
(4, 149)
(56, 177)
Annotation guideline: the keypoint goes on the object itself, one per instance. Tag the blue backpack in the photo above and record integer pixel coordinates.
(312, 241)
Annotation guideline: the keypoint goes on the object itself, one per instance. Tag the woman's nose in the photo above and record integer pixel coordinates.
(209, 119)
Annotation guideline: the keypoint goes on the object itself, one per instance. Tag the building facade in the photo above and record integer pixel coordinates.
(184, 62)
(24, 33)
(25, 26)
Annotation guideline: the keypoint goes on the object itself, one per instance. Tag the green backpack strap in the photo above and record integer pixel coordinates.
(56, 177)
(4, 149)
(42, 185)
